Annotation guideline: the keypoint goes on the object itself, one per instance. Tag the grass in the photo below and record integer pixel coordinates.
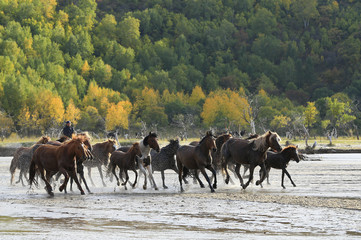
(341, 142)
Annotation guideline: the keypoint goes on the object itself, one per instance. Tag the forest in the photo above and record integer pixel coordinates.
(180, 67)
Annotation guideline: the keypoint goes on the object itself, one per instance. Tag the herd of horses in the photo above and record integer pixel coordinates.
(69, 156)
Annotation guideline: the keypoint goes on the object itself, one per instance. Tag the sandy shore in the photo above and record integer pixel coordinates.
(311, 201)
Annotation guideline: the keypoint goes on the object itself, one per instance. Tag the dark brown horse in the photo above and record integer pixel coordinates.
(53, 159)
(125, 161)
(101, 153)
(197, 158)
(280, 161)
(22, 158)
(252, 152)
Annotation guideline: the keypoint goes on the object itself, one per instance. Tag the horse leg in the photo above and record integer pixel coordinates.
(210, 168)
(90, 176)
(21, 175)
(163, 179)
(180, 173)
(289, 176)
(75, 177)
(48, 186)
(126, 179)
(149, 168)
(251, 170)
(101, 175)
(136, 175)
(116, 177)
(245, 168)
(264, 175)
(196, 176)
(238, 166)
(86, 185)
(66, 175)
(203, 171)
(142, 170)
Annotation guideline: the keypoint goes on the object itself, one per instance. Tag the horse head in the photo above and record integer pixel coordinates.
(292, 152)
(136, 149)
(152, 141)
(273, 141)
(111, 145)
(209, 142)
(174, 144)
(85, 140)
(43, 140)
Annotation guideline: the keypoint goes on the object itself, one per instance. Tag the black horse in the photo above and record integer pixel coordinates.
(165, 159)
(280, 161)
(252, 152)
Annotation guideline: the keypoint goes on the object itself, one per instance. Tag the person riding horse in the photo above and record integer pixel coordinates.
(68, 129)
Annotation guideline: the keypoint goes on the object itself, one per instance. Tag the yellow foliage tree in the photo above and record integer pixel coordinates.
(197, 95)
(280, 121)
(49, 108)
(117, 116)
(224, 107)
(310, 114)
(72, 113)
(100, 98)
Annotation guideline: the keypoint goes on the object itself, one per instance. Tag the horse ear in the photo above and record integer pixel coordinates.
(150, 133)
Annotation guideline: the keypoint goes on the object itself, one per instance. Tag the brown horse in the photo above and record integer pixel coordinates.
(197, 157)
(144, 163)
(79, 164)
(252, 152)
(53, 159)
(125, 161)
(22, 158)
(101, 153)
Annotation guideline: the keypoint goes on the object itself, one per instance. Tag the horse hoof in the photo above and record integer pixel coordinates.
(212, 190)
(202, 186)
(156, 188)
(118, 183)
(82, 193)
(165, 187)
(215, 186)
(123, 184)
(226, 181)
(125, 188)
(145, 187)
(61, 189)
(258, 182)
(182, 190)
(244, 186)
(294, 185)
(51, 194)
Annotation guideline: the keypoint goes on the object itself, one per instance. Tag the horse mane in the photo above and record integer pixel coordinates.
(43, 140)
(79, 137)
(289, 147)
(260, 143)
(62, 139)
(133, 146)
(209, 133)
(85, 134)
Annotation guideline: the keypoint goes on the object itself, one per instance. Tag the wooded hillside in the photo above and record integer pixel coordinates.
(287, 65)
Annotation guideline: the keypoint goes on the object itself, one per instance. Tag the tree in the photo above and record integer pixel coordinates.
(225, 108)
(6, 126)
(72, 113)
(305, 10)
(310, 114)
(117, 116)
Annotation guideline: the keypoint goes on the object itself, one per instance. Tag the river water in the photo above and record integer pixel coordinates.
(326, 204)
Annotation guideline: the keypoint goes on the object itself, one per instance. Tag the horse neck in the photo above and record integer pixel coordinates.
(64, 149)
(145, 150)
(203, 147)
(260, 144)
(286, 155)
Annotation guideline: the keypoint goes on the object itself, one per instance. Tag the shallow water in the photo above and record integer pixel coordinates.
(167, 214)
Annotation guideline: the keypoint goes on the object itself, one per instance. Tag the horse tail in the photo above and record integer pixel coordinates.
(110, 167)
(12, 169)
(32, 172)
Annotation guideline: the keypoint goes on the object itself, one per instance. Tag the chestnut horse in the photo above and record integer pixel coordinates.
(62, 159)
(101, 152)
(252, 152)
(146, 144)
(22, 158)
(197, 158)
(125, 161)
